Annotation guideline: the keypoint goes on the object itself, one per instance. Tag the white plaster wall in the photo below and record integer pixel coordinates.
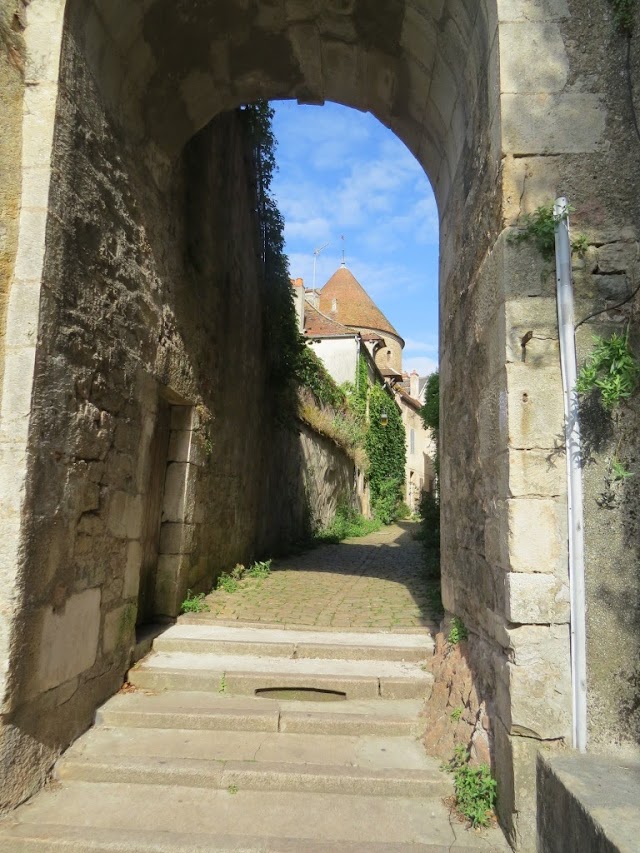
(339, 356)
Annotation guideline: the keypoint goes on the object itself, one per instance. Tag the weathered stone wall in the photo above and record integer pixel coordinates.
(309, 475)
(11, 90)
(150, 296)
(506, 105)
(566, 129)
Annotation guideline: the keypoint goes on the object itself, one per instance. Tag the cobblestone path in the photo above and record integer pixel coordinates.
(374, 582)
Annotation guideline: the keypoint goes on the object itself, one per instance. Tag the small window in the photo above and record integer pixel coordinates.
(334, 305)
(412, 441)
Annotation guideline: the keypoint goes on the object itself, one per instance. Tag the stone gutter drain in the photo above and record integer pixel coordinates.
(304, 694)
(568, 364)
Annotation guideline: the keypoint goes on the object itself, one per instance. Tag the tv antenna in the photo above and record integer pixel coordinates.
(316, 255)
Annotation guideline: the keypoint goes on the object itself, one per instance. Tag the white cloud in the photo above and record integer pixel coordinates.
(412, 345)
(423, 365)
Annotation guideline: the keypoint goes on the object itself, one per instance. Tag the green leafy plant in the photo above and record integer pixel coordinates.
(347, 523)
(540, 228)
(475, 793)
(222, 687)
(232, 789)
(227, 583)
(457, 632)
(259, 569)
(194, 603)
(475, 789)
(619, 471)
(456, 714)
(611, 369)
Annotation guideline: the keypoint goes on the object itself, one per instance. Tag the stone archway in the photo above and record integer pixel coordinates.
(114, 91)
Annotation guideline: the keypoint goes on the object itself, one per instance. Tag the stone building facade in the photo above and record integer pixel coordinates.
(106, 302)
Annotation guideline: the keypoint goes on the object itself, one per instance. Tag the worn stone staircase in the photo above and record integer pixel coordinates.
(192, 757)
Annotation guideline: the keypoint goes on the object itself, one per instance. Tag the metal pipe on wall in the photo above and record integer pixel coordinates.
(575, 508)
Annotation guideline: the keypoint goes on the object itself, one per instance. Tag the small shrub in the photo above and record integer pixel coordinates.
(456, 714)
(458, 631)
(611, 369)
(475, 793)
(474, 786)
(194, 603)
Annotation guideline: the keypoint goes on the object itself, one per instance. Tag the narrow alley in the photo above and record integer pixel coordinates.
(285, 718)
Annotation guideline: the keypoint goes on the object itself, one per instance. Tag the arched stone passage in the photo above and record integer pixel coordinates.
(498, 104)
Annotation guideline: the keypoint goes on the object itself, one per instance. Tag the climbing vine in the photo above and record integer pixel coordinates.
(386, 449)
(283, 343)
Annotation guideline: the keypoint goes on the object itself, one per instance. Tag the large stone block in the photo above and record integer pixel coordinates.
(533, 10)
(534, 687)
(553, 124)
(68, 640)
(535, 406)
(514, 767)
(537, 536)
(179, 493)
(536, 599)
(532, 58)
(536, 472)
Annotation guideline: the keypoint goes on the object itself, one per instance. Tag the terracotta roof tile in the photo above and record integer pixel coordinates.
(354, 306)
(416, 404)
(317, 325)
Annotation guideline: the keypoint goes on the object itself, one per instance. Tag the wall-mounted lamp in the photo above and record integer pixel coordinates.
(384, 418)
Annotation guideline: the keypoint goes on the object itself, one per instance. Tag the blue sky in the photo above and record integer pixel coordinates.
(342, 172)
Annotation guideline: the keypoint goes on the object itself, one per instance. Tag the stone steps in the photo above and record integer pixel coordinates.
(77, 809)
(244, 674)
(202, 711)
(68, 839)
(187, 759)
(216, 639)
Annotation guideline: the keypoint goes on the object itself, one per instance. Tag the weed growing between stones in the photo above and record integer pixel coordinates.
(475, 789)
(540, 228)
(611, 370)
(347, 523)
(230, 581)
(458, 631)
(194, 603)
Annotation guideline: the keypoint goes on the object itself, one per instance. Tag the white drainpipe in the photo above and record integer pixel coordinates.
(574, 474)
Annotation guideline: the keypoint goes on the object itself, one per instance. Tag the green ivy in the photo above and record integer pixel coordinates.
(283, 343)
(430, 412)
(358, 394)
(386, 449)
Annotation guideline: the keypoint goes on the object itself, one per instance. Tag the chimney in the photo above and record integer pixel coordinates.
(313, 298)
(297, 286)
(414, 385)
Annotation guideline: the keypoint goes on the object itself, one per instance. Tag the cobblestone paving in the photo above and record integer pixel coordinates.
(375, 582)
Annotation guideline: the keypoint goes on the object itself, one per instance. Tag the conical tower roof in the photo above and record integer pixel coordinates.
(353, 305)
